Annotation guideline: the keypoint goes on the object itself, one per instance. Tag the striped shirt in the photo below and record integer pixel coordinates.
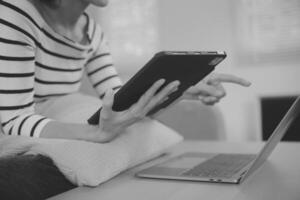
(37, 63)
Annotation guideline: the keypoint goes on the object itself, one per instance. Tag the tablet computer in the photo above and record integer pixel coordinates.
(188, 67)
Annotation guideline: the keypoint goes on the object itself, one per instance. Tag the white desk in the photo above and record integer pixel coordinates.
(277, 179)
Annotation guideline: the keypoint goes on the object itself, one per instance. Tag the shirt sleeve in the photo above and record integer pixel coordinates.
(100, 68)
(17, 57)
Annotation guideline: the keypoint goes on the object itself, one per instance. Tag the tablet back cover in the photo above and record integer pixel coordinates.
(187, 67)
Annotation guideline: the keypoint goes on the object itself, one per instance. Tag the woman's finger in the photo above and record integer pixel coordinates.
(146, 97)
(220, 91)
(210, 100)
(161, 96)
(209, 90)
(227, 78)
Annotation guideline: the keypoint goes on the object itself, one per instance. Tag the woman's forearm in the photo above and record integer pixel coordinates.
(62, 130)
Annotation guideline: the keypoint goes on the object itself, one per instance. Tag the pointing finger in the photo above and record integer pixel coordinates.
(228, 78)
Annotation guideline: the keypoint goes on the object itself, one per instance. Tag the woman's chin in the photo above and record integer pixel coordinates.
(99, 3)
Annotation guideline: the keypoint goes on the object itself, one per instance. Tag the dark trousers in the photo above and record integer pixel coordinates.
(30, 177)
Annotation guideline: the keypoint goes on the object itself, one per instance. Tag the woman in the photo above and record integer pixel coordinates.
(44, 46)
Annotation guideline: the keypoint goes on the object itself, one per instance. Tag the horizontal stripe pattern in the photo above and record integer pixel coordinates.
(26, 15)
(37, 43)
(14, 75)
(49, 95)
(46, 82)
(16, 91)
(8, 41)
(16, 107)
(37, 64)
(13, 58)
(97, 57)
(99, 69)
(56, 68)
(103, 80)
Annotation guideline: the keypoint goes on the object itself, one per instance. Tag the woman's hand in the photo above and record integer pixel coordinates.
(113, 123)
(211, 90)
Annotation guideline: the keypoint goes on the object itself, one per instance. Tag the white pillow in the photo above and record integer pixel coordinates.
(89, 164)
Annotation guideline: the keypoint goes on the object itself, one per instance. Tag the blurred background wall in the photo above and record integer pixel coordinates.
(261, 38)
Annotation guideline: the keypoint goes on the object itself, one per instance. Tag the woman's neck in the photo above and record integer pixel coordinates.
(66, 20)
(67, 15)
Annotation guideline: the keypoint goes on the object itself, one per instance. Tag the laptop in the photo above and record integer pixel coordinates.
(221, 167)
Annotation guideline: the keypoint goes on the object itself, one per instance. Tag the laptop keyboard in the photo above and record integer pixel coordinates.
(221, 166)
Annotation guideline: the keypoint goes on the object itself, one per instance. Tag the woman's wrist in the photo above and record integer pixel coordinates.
(90, 133)
(96, 134)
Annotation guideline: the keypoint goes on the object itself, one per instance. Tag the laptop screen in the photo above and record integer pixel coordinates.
(288, 120)
(272, 111)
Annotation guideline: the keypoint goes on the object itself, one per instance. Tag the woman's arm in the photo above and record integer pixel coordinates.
(17, 57)
(100, 67)
(55, 129)
(111, 123)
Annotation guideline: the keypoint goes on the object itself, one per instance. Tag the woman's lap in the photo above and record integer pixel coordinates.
(30, 177)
